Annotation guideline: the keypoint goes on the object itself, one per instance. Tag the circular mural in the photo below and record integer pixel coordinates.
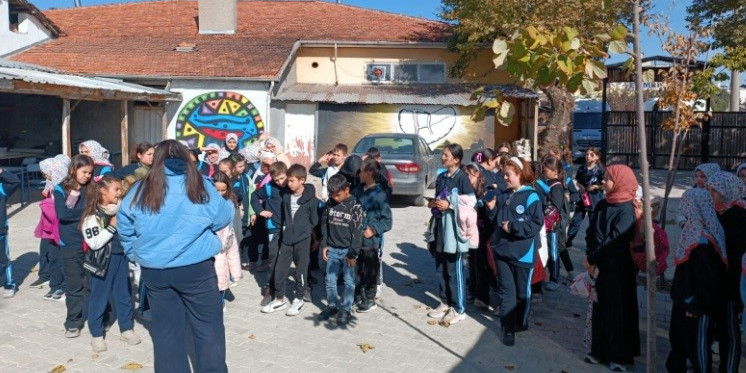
(210, 117)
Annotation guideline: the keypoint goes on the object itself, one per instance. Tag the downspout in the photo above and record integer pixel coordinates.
(334, 59)
(269, 108)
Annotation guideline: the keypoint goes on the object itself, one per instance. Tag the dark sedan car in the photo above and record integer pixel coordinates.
(408, 158)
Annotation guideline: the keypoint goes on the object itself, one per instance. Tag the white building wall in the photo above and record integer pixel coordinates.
(30, 31)
(212, 108)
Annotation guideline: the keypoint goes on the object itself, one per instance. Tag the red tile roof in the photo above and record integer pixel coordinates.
(138, 39)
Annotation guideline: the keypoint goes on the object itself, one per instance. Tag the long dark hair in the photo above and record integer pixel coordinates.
(479, 189)
(151, 192)
(222, 177)
(555, 164)
(140, 148)
(93, 195)
(456, 151)
(484, 155)
(78, 161)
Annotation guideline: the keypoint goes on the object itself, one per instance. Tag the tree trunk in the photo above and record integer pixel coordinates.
(647, 214)
(735, 91)
(558, 133)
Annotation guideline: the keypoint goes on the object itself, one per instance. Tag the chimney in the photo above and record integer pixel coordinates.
(217, 16)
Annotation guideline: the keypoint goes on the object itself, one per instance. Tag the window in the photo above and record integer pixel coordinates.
(406, 72)
(387, 145)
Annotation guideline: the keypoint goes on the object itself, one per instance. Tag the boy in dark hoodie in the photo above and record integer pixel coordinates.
(267, 203)
(341, 239)
(299, 217)
(9, 182)
(377, 220)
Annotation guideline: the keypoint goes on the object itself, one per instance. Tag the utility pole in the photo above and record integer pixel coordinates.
(77, 3)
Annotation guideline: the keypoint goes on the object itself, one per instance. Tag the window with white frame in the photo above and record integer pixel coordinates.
(406, 72)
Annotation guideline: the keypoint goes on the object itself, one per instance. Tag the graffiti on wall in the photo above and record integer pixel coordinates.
(209, 117)
(438, 125)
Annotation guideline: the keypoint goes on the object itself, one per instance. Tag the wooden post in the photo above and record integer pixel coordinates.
(66, 146)
(124, 128)
(535, 135)
(164, 122)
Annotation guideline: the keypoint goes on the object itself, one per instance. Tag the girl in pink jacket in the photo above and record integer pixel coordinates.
(228, 261)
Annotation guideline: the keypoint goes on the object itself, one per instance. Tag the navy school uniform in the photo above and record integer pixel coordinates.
(515, 252)
(586, 178)
(554, 195)
(377, 216)
(9, 183)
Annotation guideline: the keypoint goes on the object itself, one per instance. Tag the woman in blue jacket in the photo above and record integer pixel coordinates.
(168, 226)
(514, 242)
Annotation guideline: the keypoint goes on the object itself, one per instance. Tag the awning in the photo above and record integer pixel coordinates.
(420, 94)
(29, 79)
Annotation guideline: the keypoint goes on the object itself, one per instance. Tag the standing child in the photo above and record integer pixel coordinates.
(69, 201)
(107, 279)
(589, 179)
(556, 219)
(9, 182)
(267, 203)
(341, 240)
(101, 164)
(334, 160)
(299, 216)
(377, 220)
(209, 165)
(258, 232)
(48, 230)
(228, 260)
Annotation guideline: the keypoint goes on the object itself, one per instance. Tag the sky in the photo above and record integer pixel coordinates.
(676, 11)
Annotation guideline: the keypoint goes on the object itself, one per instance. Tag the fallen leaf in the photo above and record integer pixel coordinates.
(132, 366)
(252, 337)
(418, 306)
(70, 360)
(428, 309)
(93, 356)
(432, 322)
(510, 367)
(444, 323)
(35, 269)
(58, 369)
(365, 347)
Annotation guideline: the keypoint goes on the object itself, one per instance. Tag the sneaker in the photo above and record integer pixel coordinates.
(343, 317)
(481, 305)
(453, 317)
(509, 339)
(327, 313)
(48, 295)
(39, 283)
(266, 296)
(379, 291)
(98, 344)
(296, 308)
(9, 292)
(72, 333)
(439, 312)
(276, 305)
(58, 295)
(590, 359)
(130, 337)
(617, 367)
(366, 306)
(551, 286)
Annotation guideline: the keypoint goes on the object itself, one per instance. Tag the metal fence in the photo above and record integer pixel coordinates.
(721, 139)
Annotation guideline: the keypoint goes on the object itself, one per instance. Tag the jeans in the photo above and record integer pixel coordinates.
(6, 266)
(76, 292)
(334, 265)
(180, 295)
(114, 285)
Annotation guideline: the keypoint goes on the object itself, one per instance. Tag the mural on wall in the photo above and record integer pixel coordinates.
(438, 125)
(210, 117)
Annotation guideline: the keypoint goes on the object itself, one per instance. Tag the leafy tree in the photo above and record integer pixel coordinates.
(477, 23)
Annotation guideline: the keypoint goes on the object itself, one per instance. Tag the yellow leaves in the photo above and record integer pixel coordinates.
(252, 337)
(132, 366)
(58, 369)
(505, 114)
(365, 347)
(617, 46)
(432, 322)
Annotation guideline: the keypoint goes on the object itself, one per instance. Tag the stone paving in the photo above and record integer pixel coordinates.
(400, 338)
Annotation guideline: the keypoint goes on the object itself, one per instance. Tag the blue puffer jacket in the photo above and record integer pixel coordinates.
(182, 233)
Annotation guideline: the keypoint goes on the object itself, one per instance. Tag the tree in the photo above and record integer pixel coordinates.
(477, 23)
(725, 19)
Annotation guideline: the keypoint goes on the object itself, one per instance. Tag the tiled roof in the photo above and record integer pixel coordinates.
(422, 94)
(138, 39)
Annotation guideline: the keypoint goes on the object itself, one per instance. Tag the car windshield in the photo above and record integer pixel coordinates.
(388, 145)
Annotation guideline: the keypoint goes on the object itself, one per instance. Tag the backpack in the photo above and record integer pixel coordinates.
(552, 214)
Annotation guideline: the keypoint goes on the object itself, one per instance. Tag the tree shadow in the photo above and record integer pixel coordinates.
(22, 267)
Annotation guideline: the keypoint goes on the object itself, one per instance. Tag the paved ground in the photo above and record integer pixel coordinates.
(31, 338)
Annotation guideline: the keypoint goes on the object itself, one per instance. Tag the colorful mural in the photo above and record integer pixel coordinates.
(210, 117)
(438, 125)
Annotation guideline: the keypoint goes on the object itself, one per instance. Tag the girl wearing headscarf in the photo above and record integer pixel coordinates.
(209, 165)
(727, 192)
(231, 144)
(615, 330)
(48, 232)
(273, 145)
(703, 172)
(701, 261)
(741, 172)
(100, 156)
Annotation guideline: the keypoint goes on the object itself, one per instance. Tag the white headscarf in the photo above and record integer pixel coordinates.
(55, 169)
(98, 153)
